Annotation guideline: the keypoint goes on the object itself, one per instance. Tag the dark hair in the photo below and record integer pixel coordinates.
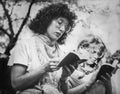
(45, 16)
(95, 41)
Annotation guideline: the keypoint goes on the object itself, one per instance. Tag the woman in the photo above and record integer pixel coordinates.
(83, 79)
(33, 60)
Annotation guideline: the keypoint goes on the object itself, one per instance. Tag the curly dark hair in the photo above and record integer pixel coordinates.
(45, 16)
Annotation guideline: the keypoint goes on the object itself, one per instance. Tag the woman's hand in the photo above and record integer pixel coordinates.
(51, 65)
(67, 70)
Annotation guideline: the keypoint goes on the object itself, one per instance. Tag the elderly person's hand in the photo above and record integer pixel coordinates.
(107, 83)
(92, 79)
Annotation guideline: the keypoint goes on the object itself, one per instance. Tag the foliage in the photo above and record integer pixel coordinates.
(7, 21)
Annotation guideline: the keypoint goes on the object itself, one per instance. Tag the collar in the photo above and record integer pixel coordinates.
(46, 40)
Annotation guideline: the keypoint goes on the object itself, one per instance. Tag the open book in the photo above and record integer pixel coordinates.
(106, 68)
(109, 68)
(71, 58)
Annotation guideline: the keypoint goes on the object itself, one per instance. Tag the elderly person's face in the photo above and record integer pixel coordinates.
(56, 29)
(90, 53)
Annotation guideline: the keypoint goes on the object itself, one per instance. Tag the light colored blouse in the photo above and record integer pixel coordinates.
(34, 52)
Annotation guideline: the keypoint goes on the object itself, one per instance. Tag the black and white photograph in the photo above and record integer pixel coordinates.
(59, 46)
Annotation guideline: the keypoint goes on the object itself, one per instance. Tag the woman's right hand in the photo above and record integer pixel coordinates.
(51, 65)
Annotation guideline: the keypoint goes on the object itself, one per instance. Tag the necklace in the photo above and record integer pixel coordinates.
(87, 69)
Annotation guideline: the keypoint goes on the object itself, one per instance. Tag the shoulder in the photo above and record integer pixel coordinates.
(25, 42)
(26, 33)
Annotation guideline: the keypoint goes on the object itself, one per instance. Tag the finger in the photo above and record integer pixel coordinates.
(53, 64)
(71, 68)
(55, 59)
(66, 69)
(53, 68)
(75, 64)
(81, 61)
(108, 75)
(103, 78)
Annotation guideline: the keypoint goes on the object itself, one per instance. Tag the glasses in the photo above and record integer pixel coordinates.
(63, 24)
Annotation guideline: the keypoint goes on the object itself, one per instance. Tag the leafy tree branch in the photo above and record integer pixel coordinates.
(4, 31)
(25, 20)
(8, 17)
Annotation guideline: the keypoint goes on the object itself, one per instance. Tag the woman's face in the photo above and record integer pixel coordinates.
(56, 29)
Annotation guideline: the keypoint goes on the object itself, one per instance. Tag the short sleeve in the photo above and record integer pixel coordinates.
(19, 54)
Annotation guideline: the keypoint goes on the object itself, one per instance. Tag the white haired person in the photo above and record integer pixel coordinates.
(83, 79)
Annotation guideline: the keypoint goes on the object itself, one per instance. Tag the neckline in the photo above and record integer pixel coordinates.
(46, 40)
(84, 68)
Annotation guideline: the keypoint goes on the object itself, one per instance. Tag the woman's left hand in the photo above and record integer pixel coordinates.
(67, 70)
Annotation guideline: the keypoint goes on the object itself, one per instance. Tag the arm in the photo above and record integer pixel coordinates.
(107, 83)
(78, 89)
(74, 90)
(21, 79)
